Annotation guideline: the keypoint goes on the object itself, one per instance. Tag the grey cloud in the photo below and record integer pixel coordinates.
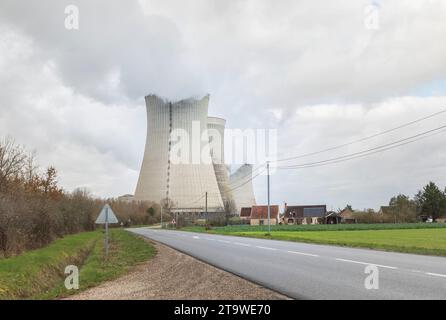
(300, 51)
(265, 64)
(146, 52)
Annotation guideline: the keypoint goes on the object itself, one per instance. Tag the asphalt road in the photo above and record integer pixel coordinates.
(311, 271)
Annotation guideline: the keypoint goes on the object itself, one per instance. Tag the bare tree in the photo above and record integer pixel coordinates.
(230, 210)
(12, 161)
(166, 208)
(30, 167)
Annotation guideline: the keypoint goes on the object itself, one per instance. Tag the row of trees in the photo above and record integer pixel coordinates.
(35, 210)
(136, 213)
(430, 202)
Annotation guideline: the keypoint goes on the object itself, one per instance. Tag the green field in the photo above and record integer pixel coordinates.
(409, 238)
(322, 227)
(39, 274)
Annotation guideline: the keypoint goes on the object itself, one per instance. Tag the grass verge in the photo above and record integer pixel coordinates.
(431, 241)
(39, 274)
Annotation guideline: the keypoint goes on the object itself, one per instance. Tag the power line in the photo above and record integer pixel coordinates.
(352, 142)
(232, 189)
(252, 178)
(347, 157)
(198, 199)
(242, 184)
(370, 151)
(250, 174)
(380, 148)
(363, 139)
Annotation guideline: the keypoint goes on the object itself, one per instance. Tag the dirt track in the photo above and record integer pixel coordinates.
(173, 275)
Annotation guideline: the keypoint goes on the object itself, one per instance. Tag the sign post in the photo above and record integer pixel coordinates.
(269, 205)
(106, 232)
(105, 217)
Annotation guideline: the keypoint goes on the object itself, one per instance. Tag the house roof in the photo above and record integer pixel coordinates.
(346, 214)
(261, 212)
(245, 212)
(305, 211)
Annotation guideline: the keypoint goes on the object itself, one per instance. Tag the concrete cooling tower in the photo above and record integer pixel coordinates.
(241, 184)
(216, 132)
(184, 183)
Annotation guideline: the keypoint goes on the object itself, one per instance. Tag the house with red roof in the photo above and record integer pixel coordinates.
(258, 215)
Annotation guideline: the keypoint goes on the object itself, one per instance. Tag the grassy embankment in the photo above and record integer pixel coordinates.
(410, 238)
(39, 274)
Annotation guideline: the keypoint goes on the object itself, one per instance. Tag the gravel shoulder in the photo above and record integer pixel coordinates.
(173, 275)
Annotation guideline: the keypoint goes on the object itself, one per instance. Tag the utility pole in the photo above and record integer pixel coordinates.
(206, 207)
(269, 209)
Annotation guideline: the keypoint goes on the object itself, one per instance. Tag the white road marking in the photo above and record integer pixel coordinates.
(436, 274)
(196, 237)
(266, 248)
(304, 254)
(224, 241)
(210, 239)
(242, 244)
(416, 271)
(366, 263)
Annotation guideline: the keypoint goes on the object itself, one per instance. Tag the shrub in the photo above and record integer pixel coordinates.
(34, 210)
(217, 220)
(235, 221)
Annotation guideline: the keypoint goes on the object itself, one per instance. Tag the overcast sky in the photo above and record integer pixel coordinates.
(320, 72)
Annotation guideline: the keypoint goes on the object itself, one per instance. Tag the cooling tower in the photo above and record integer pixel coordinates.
(216, 132)
(241, 184)
(176, 138)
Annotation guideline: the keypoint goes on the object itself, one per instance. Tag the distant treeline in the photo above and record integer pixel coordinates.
(35, 210)
(430, 202)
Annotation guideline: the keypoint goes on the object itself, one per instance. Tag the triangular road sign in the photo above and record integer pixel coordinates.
(106, 212)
